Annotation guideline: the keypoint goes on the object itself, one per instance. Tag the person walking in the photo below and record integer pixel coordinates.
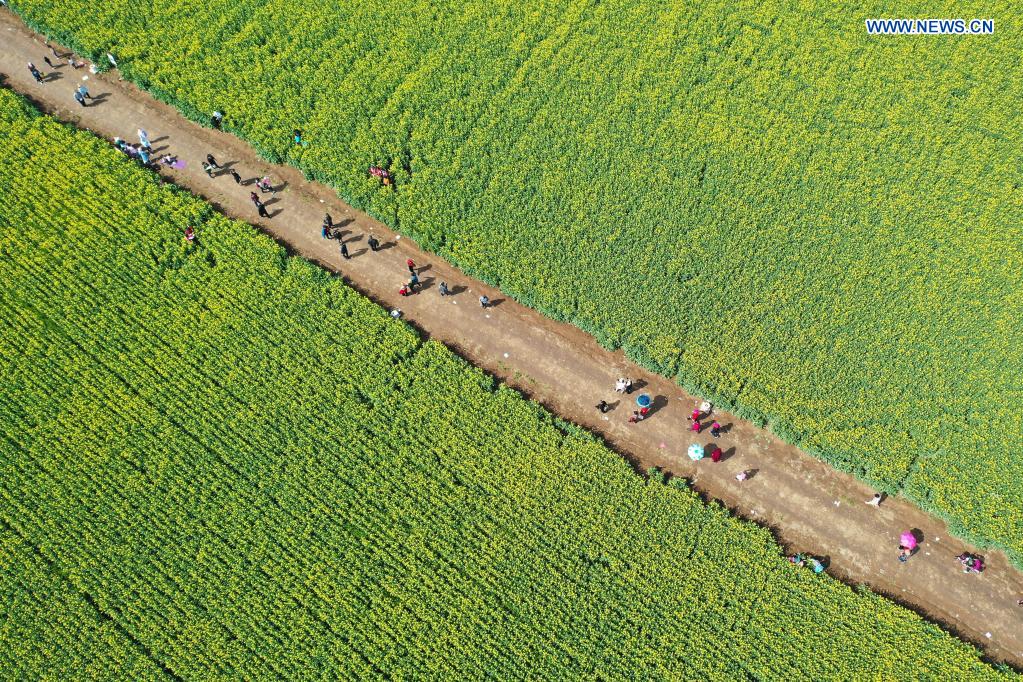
(79, 98)
(414, 281)
(325, 231)
(210, 159)
(443, 289)
(264, 185)
(35, 72)
(874, 501)
(715, 430)
(603, 406)
(715, 456)
(144, 157)
(628, 387)
(484, 301)
(263, 213)
(374, 245)
(49, 63)
(144, 140)
(254, 198)
(217, 119)
(237, 178)
(208, 168)
(696, 427)
(344, 251)
(411, 265)
(696, 415)
(84, 91)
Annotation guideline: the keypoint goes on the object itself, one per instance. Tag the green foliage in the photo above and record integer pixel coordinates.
(817, 227)
(251, 471)
(50, 631)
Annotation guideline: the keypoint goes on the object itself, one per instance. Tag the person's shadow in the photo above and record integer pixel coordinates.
(657, 404)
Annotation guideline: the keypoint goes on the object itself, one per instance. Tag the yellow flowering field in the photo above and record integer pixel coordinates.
(194, 489)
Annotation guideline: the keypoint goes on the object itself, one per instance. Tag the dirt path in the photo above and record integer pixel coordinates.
(810, 506)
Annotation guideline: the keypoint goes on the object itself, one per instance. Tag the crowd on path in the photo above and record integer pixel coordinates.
(142, 152)
(909, 541)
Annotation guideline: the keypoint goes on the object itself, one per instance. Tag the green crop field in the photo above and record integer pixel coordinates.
(816, 226)
(221, 461)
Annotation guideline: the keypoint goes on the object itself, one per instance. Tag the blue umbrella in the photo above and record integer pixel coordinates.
(643, 400)
(695, 452)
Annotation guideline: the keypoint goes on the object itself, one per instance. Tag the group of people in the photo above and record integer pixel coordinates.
(696, 426)
(71, 61)
(909, 545)
(806, 560)
(213, 169)
(141, 151)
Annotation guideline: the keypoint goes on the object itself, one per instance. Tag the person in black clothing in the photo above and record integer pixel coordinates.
(237, 178)
(262, 210)
(603, 406)
(373, 243)
(212, 161)
(344, 251)
(443, 289)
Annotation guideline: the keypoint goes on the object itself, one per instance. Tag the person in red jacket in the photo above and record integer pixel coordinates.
(716, 455)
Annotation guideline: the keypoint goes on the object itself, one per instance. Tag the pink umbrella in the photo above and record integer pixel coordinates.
(908, 540)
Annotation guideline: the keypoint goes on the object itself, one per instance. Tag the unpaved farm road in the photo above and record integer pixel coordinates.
(812, 507)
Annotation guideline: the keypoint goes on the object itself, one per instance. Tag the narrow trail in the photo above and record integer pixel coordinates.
(810, 506)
